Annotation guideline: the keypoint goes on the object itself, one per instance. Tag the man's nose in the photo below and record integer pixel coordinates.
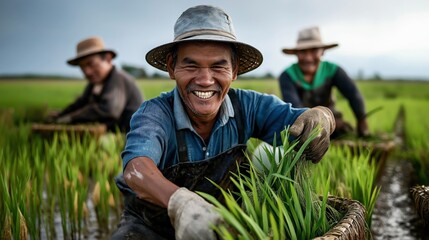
(86, 70)
(205, 76)
(306, 55)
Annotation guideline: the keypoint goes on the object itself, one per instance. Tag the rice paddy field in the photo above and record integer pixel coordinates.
(63, 187)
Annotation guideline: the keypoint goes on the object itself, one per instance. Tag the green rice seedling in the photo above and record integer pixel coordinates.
(351, 176)
(417, 136)
(13, 204)
(276, 201)
(102, 199)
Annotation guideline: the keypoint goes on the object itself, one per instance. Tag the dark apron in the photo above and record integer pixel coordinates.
(192, 175)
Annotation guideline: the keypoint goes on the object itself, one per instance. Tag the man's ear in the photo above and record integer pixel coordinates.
(170, 66)
(235, 72)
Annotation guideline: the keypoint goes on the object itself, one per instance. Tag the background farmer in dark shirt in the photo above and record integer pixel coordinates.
(309, 82)
(110, 97)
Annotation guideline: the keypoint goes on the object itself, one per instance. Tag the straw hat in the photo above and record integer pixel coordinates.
(88, 47)
(309, 38)
(206, 23)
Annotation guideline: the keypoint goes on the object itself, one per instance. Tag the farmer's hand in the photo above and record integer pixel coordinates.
(362, 128)
(64, 119)
(308, 121)
(52, 116)
(191, 216)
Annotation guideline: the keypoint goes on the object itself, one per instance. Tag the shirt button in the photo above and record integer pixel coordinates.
(207, 154)
(204, 149)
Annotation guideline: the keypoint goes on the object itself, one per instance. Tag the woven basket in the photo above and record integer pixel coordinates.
(352, 225)
(421, 201)
(78, 130)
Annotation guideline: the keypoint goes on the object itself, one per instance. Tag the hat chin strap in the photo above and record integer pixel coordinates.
(204, 32)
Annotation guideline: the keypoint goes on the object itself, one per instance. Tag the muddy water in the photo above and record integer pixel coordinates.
(394, 215)
(92, 230)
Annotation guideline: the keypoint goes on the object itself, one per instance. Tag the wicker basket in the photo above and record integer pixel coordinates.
(352, 225)
(78, 130)
(421, 200)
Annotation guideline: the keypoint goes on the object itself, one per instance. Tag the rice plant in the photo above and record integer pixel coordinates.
(275, 201)
(45, 183)
(351, 176)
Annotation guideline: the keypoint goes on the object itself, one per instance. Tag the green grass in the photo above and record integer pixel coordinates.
(20, 94)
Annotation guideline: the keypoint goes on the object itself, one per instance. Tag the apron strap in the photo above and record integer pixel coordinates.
(238, 114)
(180, 134)
(181, 145)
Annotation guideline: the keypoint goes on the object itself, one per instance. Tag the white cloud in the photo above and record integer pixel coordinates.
(399, 35)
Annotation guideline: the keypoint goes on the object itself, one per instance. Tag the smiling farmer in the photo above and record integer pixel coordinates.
(110, 97)
(309, 82)
(199, 130)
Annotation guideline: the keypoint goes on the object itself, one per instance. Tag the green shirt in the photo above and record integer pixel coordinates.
(324, 71)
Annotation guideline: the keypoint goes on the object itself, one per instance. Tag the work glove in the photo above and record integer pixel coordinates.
(308, 121)
(191, 216)
(362, 128)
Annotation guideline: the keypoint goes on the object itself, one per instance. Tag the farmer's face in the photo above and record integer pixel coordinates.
(95, 68)
(309, 59)
(203, 72)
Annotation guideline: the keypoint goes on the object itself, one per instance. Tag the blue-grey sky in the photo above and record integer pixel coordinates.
(386, 37)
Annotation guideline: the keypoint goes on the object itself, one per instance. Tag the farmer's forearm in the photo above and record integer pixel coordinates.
(143, 176)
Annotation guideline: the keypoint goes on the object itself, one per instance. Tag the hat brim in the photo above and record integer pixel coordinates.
(249, 57)
(308, 46)
(75, 61)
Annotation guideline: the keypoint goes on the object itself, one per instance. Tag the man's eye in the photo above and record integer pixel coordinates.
(218, 68)
(190, 67)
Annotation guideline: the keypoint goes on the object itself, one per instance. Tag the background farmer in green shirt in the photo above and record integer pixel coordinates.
(309, 82)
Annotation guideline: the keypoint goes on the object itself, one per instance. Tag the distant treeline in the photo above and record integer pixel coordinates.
(140, 74)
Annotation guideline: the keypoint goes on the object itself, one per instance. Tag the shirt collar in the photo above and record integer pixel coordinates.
(182, 118)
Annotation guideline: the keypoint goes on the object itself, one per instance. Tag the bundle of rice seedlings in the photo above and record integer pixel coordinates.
(276, 201)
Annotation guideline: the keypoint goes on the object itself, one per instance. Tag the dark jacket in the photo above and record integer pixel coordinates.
(114, 106)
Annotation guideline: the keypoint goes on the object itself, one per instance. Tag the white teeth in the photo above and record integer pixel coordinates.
(204, 95)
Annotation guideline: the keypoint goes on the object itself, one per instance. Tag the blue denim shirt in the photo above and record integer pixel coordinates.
(154, 124)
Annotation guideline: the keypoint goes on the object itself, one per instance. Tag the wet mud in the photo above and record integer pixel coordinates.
(394, 215)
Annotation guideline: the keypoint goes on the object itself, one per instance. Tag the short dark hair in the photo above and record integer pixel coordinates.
(234, 54)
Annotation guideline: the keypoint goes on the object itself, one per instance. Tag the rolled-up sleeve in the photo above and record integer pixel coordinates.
(149, 131)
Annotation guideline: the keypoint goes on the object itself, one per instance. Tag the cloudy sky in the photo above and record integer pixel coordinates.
(386, 37)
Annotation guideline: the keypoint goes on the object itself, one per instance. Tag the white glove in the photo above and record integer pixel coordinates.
(308, 121)
(191, 216)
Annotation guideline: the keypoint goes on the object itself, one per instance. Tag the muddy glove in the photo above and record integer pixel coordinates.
(308, 121)
(191, 216)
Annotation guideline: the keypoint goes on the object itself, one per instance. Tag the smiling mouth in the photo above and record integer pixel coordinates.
(204, 95)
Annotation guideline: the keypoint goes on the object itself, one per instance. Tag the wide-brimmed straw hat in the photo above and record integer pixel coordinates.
(309, 38)
(206, 23)
(88, 47)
